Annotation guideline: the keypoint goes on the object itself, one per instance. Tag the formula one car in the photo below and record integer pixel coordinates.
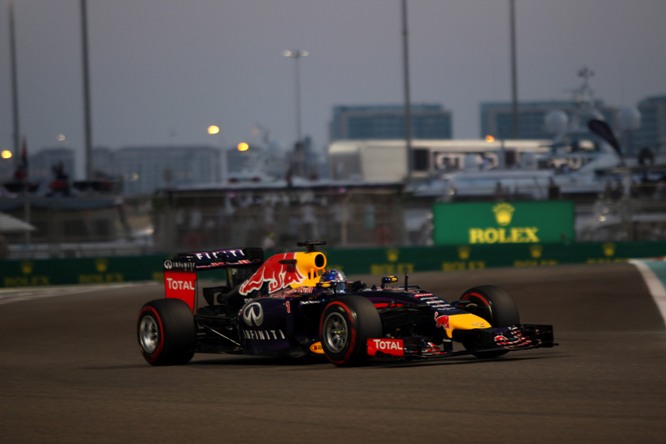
(290, 305)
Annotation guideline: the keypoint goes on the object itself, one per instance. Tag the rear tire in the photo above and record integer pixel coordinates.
(494, 305)
(166, 332)
(346, 324)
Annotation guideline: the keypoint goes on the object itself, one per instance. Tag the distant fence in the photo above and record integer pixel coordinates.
(375, 261)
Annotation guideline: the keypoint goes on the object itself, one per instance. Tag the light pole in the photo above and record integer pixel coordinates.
(15, 102)
(297, 54)
(408, 107)
(515, 133)
(214, 130)
(87, 121)
(299, 155)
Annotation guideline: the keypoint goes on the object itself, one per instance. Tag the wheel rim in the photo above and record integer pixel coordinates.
(335, 332)
(149, 334)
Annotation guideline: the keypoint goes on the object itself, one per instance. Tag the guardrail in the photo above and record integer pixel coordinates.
(375, 261)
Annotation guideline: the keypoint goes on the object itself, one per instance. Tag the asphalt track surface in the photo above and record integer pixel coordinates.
(71, 372)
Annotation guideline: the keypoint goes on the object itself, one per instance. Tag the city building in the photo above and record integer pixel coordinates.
(497, 118)
(145, 169)
(43, 164)
(429, 121)
(652, 130)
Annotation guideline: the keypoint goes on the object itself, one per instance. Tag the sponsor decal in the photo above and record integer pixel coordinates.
(386, 346)
(221, 254)
(501, 340)
(609, 249)
(25, 281)
(536, 251)
(178, 265)
(263, 335)
(317, 348)
(181, 285)
(536, 263)
(515, 339)
(434, 301)
(464, 253)
(177, 284)
(253, 314)
(505, 235)
(101, 278)
(396, 268)
(512, 235)
(463, 265)
(442, 321)
(101, 265)
(503, 213)
(275, 273)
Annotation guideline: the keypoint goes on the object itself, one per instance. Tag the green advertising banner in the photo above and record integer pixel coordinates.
(376, 261)
(492, 223)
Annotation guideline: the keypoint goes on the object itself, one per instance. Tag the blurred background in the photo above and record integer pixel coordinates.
(153, 126)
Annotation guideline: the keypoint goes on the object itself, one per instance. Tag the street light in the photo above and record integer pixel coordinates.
(502, 156)
(215, 130)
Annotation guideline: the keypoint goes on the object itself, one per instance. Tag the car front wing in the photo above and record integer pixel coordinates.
(477, 341)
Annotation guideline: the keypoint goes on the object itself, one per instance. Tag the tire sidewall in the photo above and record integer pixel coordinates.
(362, 322)
(495, 305)
(176, 340)
(154, 357)
(340, 308)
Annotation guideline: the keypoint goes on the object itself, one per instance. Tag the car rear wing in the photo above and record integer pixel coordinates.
(180, 272)
(210, 259)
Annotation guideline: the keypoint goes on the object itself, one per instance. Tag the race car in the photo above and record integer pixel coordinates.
(234, 301)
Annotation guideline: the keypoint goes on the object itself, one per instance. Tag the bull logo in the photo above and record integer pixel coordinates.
(442, 321)
(253, 314)
(274, 273)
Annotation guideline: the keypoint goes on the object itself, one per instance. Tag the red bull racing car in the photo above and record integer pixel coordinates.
(235, 301)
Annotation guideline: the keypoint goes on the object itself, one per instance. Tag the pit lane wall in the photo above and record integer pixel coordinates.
(375, 261)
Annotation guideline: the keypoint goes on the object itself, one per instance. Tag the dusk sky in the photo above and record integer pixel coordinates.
(162, 71)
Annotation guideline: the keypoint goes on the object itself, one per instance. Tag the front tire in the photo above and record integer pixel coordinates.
(346, 324)
(494, 305)
(166, 332)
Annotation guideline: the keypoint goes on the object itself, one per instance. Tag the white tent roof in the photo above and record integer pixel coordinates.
(10, 223)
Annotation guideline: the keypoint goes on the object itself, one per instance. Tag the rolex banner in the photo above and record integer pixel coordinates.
(490, 223)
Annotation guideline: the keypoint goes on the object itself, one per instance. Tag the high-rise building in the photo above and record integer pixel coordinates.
(147, 168)
(652, 130)
(497, 118)
(42, 164)
(429, 121)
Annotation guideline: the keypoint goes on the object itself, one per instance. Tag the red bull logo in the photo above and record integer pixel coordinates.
(442, 321)
(276, 273)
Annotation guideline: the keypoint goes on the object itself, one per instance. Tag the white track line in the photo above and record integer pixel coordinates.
(9, 295)
(654, 284)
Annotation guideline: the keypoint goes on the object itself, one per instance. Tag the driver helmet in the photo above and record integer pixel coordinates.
(337, 279)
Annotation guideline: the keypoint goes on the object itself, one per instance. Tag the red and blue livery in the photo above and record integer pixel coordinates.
(235, 301)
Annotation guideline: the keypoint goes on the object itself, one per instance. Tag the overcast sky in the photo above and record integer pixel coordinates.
(163, 70)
